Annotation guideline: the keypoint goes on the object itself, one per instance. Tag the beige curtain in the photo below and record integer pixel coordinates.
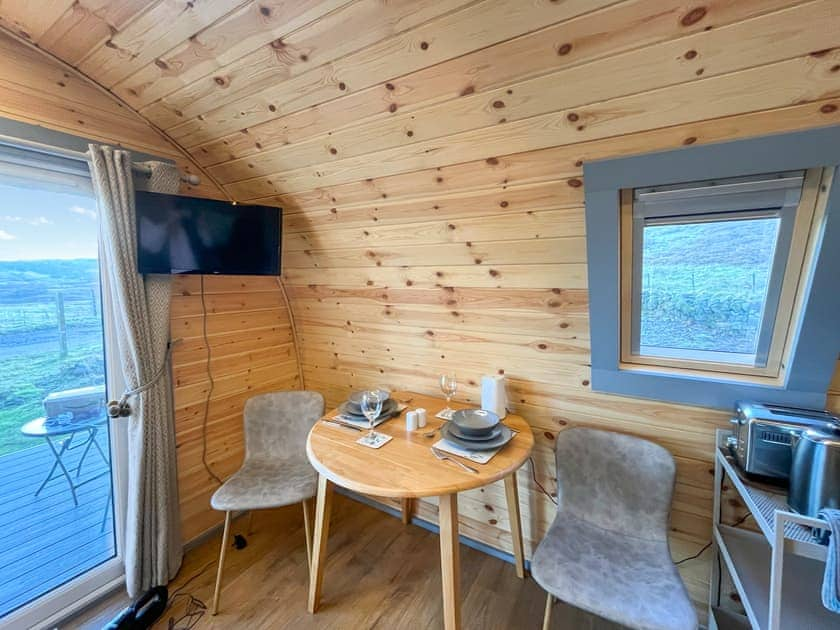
(153, 548)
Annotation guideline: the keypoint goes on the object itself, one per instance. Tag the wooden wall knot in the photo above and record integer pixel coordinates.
(693, 16)
(564, 49)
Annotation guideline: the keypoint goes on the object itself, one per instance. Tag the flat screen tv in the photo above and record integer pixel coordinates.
(183, 235)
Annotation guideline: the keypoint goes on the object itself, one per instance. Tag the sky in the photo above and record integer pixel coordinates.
(42, 224)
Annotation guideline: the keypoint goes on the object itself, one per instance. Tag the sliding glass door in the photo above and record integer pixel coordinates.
(59, 451)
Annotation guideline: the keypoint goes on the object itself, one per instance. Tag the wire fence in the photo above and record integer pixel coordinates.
(72, 307)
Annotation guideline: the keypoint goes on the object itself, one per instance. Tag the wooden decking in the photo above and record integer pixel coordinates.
(47, 540)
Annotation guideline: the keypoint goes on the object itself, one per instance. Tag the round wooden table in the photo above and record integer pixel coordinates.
(405, 468)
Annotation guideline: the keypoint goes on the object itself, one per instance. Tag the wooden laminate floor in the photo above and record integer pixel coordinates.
(380, 574)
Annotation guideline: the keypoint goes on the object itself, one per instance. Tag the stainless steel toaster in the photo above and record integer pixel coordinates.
(762, 436)
(815, 472)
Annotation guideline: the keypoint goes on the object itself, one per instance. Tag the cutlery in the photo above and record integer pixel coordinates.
(430, 434)
(343, 424)
(443, 457)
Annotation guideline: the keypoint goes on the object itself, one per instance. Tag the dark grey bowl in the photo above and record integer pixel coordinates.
(354, 401)
(474, 421)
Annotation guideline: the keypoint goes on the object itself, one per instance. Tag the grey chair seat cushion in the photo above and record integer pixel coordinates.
(264, 483)
(610, 574)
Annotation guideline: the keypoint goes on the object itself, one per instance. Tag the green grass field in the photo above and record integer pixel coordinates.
(31, 364)
(29, 376)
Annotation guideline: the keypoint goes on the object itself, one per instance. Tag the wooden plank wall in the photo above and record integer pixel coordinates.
(434, 192)
(429, 157)
(248, 325)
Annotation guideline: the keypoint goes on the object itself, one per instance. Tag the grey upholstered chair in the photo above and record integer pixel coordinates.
(607, 550)
(276, 471)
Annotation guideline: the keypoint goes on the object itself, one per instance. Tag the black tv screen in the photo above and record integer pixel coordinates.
(178, 235)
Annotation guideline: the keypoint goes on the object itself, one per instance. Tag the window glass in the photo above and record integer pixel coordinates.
(704, 287)
(55, 461)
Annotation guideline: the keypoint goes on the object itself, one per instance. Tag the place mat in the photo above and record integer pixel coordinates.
(479, 457)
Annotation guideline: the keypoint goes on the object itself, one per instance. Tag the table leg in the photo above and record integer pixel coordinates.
(101, 452)
(319, 544)
(57, 458)
(512, 496)
(88, 443)
(406, 511)
(450, 562)
(63, 468)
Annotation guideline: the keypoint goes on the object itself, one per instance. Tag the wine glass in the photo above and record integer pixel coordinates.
(371, 405)
(448, 385)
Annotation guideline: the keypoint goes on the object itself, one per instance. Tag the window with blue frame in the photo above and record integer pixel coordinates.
(714, 271)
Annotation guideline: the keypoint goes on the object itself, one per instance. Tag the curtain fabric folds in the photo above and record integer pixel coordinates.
(153, 547)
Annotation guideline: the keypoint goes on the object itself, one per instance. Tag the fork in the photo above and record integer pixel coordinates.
(443, 457)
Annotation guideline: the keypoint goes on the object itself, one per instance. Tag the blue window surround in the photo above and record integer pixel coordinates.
(817, 340)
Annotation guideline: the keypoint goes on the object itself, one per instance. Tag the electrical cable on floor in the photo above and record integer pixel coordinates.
(539, 485)
(196, 608)
(193, 614)
(209, 389)
(709, 544)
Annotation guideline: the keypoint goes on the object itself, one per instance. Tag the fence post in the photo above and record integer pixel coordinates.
(62, 327)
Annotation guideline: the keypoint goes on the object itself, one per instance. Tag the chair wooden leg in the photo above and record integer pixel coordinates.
(307, 530)
(250, 521)
(319, 543)
(549, 601)
(512, 496)
(222, 552)
(406, 511)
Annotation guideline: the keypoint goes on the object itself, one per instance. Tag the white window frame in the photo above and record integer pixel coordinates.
(790, 196)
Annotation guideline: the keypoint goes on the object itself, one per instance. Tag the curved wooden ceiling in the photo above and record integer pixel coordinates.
(279, 97)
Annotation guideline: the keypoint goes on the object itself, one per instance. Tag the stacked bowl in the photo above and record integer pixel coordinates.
(476, 430)
(352, 407)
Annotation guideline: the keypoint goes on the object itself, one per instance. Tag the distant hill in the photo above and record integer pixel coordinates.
(38, 280)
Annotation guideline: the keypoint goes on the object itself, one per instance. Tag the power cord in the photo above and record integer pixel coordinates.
(538, 484)
(709, 544)
(209, 389)
(196, 608)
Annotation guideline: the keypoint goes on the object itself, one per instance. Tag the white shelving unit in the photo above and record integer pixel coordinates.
(778, 573)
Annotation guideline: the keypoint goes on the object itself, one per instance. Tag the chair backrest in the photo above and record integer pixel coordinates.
(614, 481)
(276, 424)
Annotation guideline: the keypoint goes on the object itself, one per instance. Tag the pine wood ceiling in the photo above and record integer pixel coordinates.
(279, 97)
(290, 96)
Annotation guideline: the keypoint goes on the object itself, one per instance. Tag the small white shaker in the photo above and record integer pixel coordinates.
(411, 421)
(421, 417)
